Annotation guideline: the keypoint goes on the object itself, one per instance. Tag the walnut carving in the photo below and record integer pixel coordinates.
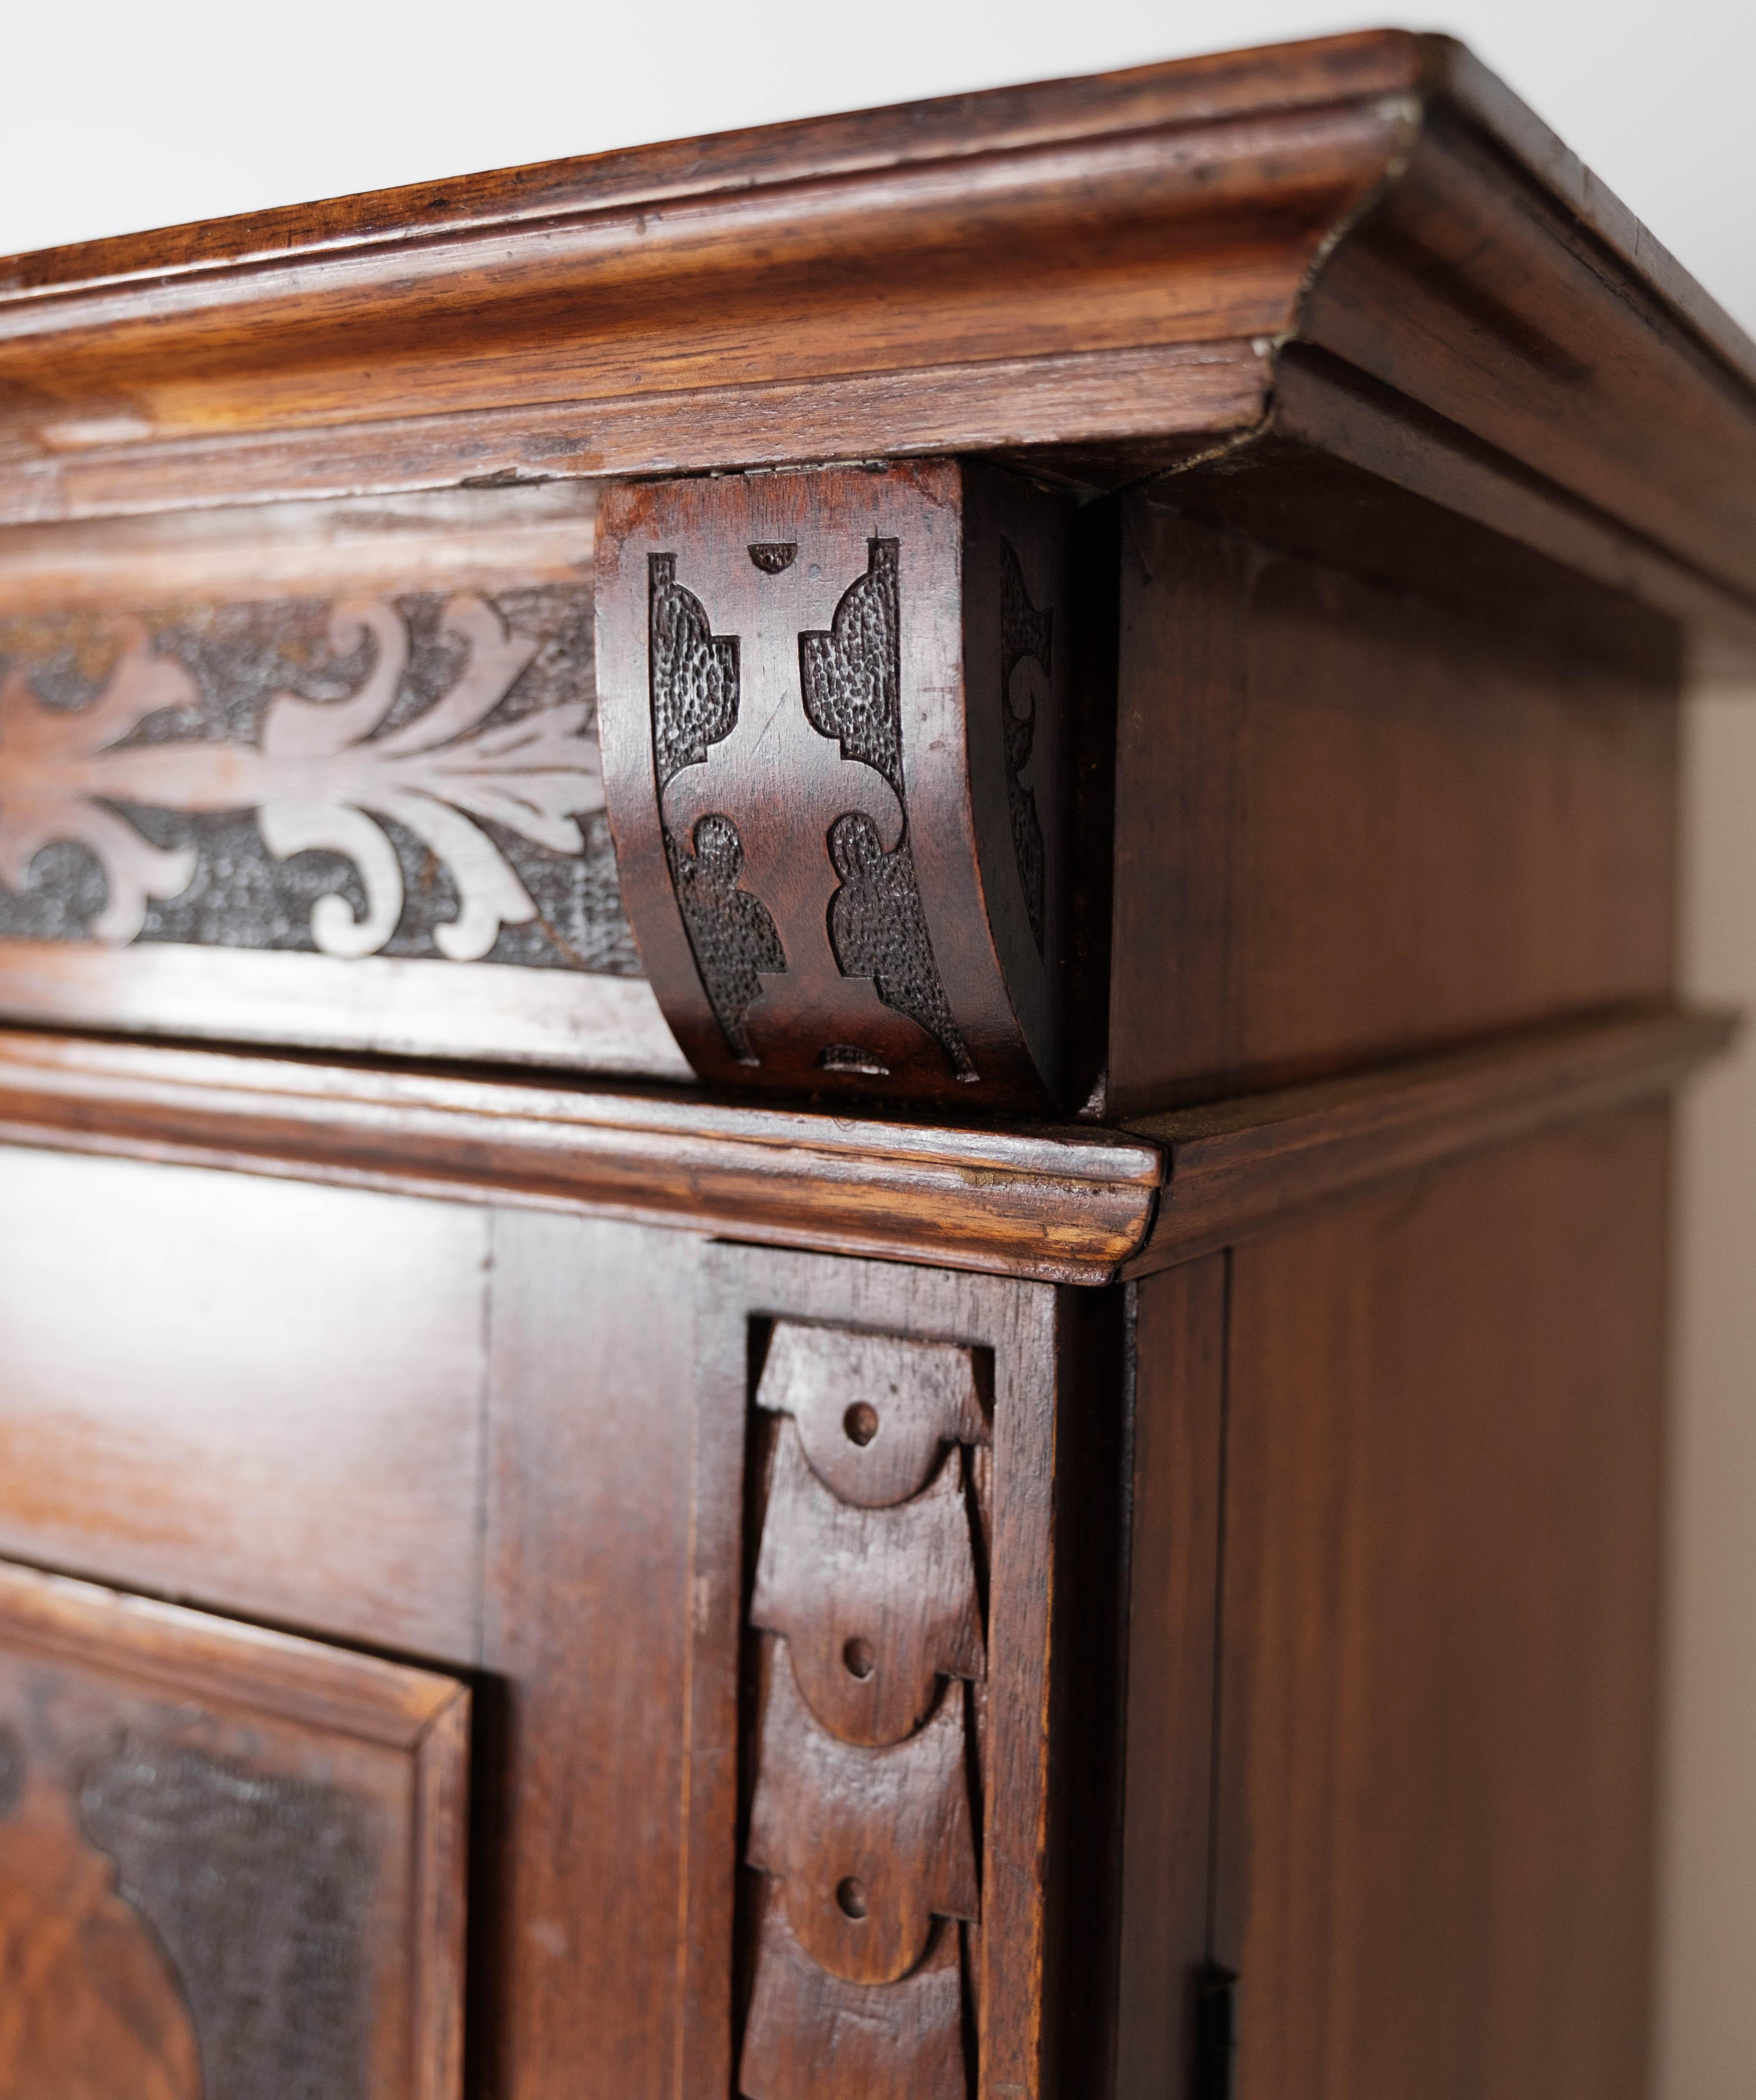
(837, 843)
(459, 777)
(862, 1824)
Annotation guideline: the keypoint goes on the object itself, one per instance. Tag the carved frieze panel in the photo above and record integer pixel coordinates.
(410, 775)
(834, 706)
(231, 1863)
(871, 1642)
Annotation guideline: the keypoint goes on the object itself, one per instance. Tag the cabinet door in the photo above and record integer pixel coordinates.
(230, 1861)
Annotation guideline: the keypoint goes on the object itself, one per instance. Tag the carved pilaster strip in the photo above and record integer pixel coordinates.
(872, 1645)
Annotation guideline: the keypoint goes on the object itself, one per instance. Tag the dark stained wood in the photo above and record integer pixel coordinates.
(265, 1399)
(869, 1504)
(1472, 292)
(876, 1606)
(228, 1858)
(1072, 1204)
(1439, 1619)
(406, 688)
(915, 1397)
(1344, 469)
(895, 2041)
(1102, 272)
(868, 1845)
(1193, 91)
(1337, 808)
(1236, 1168)
(587, 1629)
(888, 1679)
(1173, 1591)
(836, 729)
(1067, 1204)
(1020, 1750)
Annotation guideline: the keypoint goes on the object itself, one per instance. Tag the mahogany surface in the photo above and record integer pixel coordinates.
(837, 1001)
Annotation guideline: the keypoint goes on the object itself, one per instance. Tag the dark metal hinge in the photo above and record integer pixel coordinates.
(1215, 2034)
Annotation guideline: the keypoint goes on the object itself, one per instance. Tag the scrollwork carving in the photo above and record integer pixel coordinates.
(426, 779)
(790, 653)
(1026, 635)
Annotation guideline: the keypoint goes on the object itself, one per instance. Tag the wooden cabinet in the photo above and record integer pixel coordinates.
(837, 1002)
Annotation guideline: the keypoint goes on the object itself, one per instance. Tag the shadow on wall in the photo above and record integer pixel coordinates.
(1707, 2038)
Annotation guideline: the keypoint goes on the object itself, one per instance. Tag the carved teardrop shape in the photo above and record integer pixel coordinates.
(811, 2033)
(873, 1410)
(876, 1605)
(869, 1845)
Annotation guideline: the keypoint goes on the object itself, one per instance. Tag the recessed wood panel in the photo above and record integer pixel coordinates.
(231, 1862)
(259, 1395)
(1350, 824)
(1438, 1639)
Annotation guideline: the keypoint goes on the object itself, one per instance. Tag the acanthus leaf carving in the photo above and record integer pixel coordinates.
(323, 774)
(51, 777)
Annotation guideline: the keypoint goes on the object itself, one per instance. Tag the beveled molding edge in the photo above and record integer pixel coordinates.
(1056, 1205)
(1239, 1167)
(1052, 1204)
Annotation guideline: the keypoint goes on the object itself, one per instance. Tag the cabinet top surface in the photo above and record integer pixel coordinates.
(1360, 250)
(1277, 81)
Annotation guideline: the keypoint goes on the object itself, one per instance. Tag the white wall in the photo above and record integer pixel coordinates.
(121, 116)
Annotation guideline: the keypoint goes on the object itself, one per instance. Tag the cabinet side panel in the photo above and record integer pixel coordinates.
(1441, 1569)
(1350, 823)
(586, 1627)
(1174, 1528)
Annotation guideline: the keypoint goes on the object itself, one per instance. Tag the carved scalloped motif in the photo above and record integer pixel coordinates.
(904, 1585)
(874, 1411)
(862, 1820)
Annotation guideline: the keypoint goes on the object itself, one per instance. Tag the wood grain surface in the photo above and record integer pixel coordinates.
(1175, 1500)
(1437, 1744)
(265, 1399)
(1070, 1202)
(583, 1850)
(230, 1860)
(837, 759)
(1350, 827)
(1009, 1981)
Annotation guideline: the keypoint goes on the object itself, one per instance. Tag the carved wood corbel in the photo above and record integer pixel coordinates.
(834, 714)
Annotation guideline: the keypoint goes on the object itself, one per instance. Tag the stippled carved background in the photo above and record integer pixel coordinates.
(411, 776)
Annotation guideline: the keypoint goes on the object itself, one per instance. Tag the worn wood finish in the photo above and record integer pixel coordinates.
(1061, 1204)
(1337, 808)
(150, 1755)
(1162, 604)
(1070, 1206)
(1439, 1618)
(266, 1399)
(315, 776)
